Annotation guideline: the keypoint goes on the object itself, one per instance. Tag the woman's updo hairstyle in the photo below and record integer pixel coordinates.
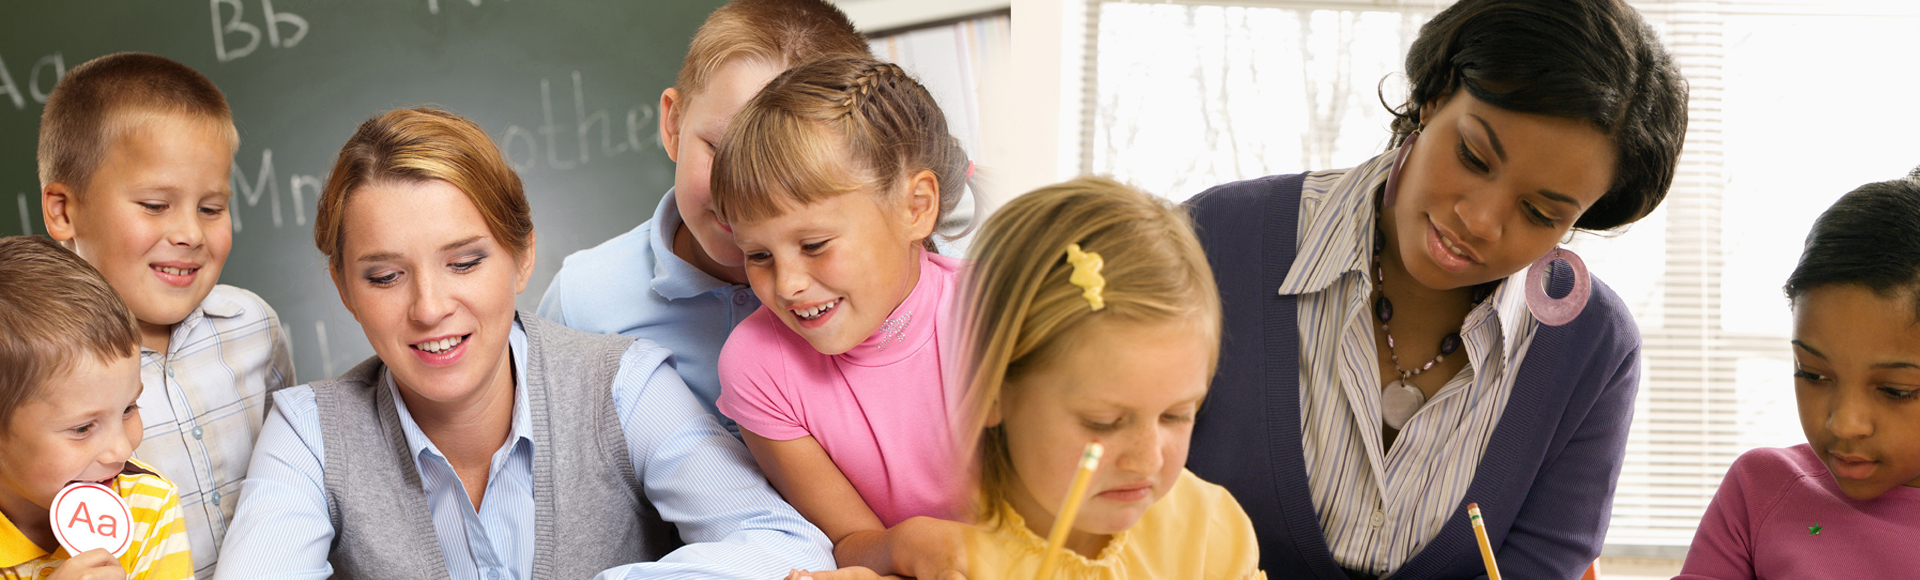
(420, 145)
(1593, 60)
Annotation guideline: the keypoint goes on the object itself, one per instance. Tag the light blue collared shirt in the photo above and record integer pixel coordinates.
(634, 285)
(699, 478)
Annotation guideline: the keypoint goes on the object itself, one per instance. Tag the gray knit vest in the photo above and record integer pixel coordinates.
(595, 517)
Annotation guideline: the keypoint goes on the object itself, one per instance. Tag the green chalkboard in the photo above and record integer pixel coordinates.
(570, 90)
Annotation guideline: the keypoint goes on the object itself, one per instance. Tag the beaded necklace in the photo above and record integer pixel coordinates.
(1399, 399)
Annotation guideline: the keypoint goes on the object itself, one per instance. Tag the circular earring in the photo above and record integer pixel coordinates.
(1558, 287)
(1393, 173)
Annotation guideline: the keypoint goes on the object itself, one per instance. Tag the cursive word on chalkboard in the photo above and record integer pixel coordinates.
(54, 64)
(641, 130)
(225, 52)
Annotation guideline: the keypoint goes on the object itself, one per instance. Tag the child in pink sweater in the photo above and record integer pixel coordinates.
(1845, 504)
(832, 180)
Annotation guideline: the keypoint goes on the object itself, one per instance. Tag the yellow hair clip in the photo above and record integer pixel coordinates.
(1086, 275)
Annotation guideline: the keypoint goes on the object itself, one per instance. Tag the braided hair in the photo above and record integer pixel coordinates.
(832, 127)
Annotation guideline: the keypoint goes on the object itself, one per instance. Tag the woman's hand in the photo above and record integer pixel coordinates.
(95, 564)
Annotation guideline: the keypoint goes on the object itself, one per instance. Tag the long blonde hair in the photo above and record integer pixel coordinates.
(1025, 312)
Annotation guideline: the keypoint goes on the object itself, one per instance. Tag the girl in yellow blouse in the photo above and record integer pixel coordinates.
(1095, 318)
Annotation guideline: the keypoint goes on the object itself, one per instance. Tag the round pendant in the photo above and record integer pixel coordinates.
(1398, 402)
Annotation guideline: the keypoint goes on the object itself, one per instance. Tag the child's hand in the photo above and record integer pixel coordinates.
(848, 573)
(95, 564)
(929, 548)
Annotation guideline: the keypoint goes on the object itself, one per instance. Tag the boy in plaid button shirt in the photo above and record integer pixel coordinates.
(134, 157)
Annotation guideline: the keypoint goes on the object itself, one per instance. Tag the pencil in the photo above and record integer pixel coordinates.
(1480, 534)
(1062, 522)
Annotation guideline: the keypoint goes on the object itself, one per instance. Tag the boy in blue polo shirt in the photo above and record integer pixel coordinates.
(691, 287)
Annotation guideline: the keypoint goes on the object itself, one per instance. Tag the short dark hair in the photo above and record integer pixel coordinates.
(1869, 238)
(54, 307)
(84, 113)
(1593, 60)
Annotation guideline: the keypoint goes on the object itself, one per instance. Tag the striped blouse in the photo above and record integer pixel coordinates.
(159, 550)
(1378, 506)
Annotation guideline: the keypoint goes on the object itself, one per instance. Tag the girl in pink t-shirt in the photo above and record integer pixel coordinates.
(1847, 503)
(832, 180)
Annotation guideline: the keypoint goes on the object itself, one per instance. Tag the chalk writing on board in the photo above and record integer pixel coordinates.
(6, 85)
(274, 20)
(53, 66)
(263, 184)
(640, 131)
(296, 183)
(548, 129)
(586, 123)
(433, 6)
(26, 224)
(59, 67)
(251, 193)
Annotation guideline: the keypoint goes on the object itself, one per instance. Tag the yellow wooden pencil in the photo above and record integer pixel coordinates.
(1062, 522)
(1480, 534)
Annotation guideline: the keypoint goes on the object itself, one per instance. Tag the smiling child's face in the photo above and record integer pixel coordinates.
(155, 217)
(80, 425)
(1857, 379)
(836, 269)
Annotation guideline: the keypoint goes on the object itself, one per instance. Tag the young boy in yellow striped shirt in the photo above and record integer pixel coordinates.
(69, 382)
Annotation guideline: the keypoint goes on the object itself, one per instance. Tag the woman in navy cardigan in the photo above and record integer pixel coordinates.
(1383, 361)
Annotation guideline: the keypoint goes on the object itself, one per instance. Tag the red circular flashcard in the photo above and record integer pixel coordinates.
(88, 516)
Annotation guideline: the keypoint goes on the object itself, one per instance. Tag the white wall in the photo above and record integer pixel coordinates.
(1029, 101)
(878, 15)
(1033, 117)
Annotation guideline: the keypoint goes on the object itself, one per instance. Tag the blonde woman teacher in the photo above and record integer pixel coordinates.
(480, 442)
